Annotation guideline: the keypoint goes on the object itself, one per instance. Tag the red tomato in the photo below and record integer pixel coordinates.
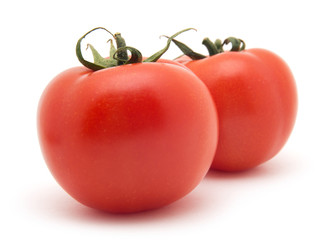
(256, 99)
(128, 138)
(183, 59)
(163, 60)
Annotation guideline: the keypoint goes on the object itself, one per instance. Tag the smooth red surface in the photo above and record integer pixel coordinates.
(128, 138)
(163, 60)
(256, 99)
(183, 59)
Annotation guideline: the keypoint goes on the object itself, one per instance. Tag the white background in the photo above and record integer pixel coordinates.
(282, 199)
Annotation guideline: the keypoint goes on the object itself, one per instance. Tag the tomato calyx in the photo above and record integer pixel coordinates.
(119, 54)
(238, 45)
(213, 48)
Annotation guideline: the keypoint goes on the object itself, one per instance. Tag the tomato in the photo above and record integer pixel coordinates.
(129, 138)
(163, 60)
(256, 99)
(183, 59)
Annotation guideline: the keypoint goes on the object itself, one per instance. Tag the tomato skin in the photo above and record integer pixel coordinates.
(256, 99)
(129, 138)
(183, 59)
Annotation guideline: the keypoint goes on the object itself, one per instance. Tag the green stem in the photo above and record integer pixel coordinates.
(99, 60)
(118, 56)
(212, 48)
(112, 49)
(136, 56)
(219, 45)
(188, 51)
(122, 54)
(90, 65)
(242, 45)
(237, 44)
(158, 54)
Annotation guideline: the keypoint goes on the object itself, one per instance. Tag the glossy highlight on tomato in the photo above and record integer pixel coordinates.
(129, 138)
